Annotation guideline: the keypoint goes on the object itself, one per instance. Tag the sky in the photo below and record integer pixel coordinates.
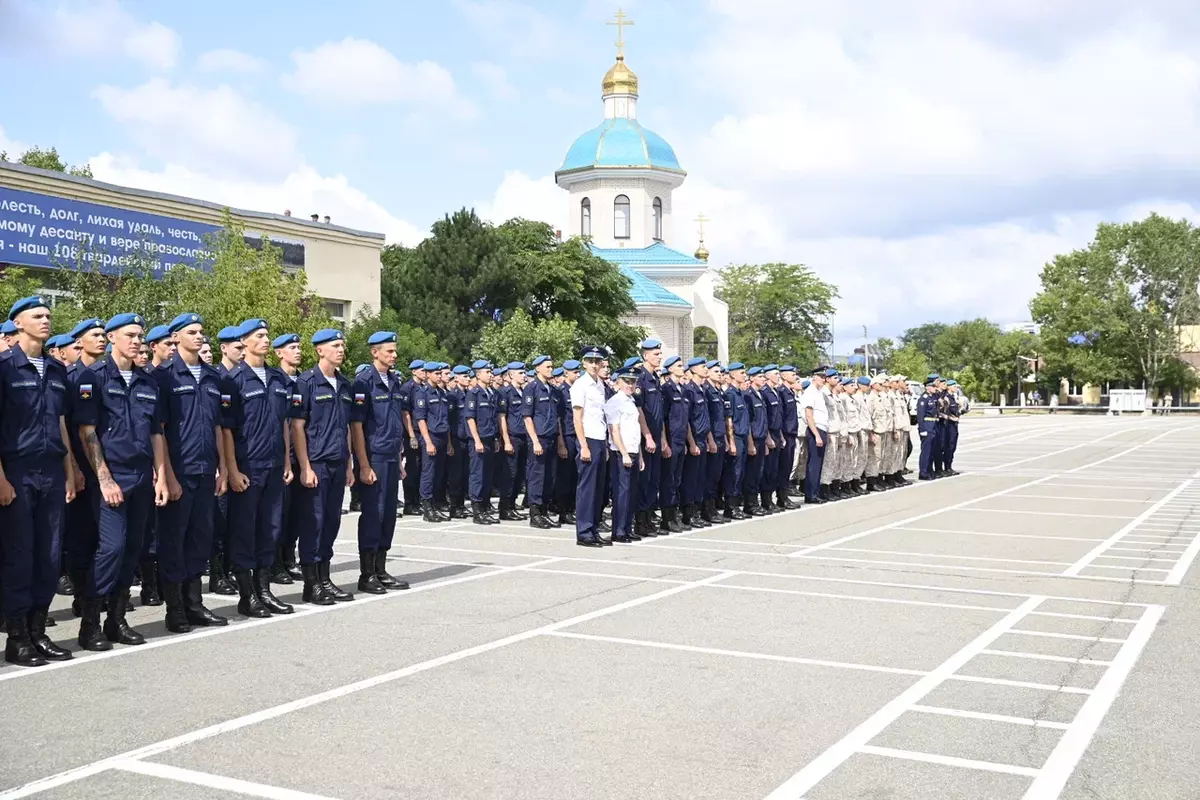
(926, 157)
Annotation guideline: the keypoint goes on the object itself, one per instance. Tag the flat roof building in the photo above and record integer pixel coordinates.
(51, 221)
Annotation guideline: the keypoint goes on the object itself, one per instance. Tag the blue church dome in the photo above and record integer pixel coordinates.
(620, 142)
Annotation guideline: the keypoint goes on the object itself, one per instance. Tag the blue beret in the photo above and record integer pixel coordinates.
(594, 351)
(416, 363)
(8, 328)
(933, 376)
(530, 373)
(26, 303)
(805, 384)
(671, 361)
(327, 335)
(847, 381)
(360, 368)
(462, 369)
(736, 365)
(832, 373)
(930, 381)
(62, 340)
(285, 339)
(183, 320)
(157, 334)
(121, 320)
(481, 364)
(864, 381)
(952, 382)
(571, 365)
(662, 370)
(537, 362)
(249, 326)
(771, 368)
(787, 368)
(695, 362)
(85, 326)
(713, 363)
(432, 366)
(754, 371)
(557, 373)
(515, 366)
(649, 344)
(381, 337)
(632, 362)
(499, 371)
(229, 334)
(627, 373)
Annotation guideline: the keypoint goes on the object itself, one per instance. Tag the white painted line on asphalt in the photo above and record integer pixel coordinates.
(1114, 566)
(1074, 636)
(1042, 513)
(853, 742)
(149, 751)
(1043, 687)
(716, 651)
(1087, 662)
(1082, 499)
(923, 565)
(862, 598)
(1139, 559)
(1088, 617)
(1005, 535)
(1176, 575)
(218, 782)
(955, 712)
(941, 555)
(947, 761)
(1070, 748)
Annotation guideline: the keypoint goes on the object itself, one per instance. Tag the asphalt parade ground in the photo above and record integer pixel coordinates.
(1024, 630)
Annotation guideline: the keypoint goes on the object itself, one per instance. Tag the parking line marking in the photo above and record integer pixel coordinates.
(1087, 662)
(1076, 636)
(1045, 687)
(1005, 535)
(956, 712)
(947, 761)
(941, 555)
(1176, 575)
(218, 782)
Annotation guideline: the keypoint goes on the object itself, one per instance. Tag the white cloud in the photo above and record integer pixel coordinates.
(495, 78)
(99, 29)
(226, 60)
(519, 195)
(11, 146)
(356, 72)
(522, 30)
(216, 130)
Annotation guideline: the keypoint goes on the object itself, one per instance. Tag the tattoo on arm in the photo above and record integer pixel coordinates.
(95, 454)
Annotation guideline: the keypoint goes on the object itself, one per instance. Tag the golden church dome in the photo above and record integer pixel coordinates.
(701, 253)
(620, 79)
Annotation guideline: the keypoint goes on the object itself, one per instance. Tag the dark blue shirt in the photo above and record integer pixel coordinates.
(511, 403)
(791, 422)
(697, 413)
(81, 459)
(758, 414)
(125, 418)
(430, 404)
(456, 399)
(378, 406)
(562, 401)
(538, 404)
(649, 398)
(774, 410)
(192, 413)
(482, 407)
(256, 414)
(738, 411)
(716, 412)
(326, 414)
(926, 413)
(675, 411)
(30, 408)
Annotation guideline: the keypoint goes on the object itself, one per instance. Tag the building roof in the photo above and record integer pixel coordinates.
(620, 142)
(646, 292)
(655, 255)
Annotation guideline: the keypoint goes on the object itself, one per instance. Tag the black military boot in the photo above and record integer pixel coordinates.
(683, 512)
(480, 516)
(783, 501)
(91, 634)
(279, 573)
(429, 514)
(671, 517)
(765, 501)
(116, 629)
(457, 509)
(65, 585)
(331, 588)
(368, 581)
(194, 610)
(508, 512)
(716, 507)
(177, 621)
(41, 642)
(19, 648)
(262, 588)
(386, 580)
(314, 589)
(538, 518)
(218, 580)
(248, 603)
(150, 595)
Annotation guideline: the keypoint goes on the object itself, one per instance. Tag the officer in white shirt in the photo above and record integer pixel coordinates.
(587, 408)
(625, 462)
(816, 432)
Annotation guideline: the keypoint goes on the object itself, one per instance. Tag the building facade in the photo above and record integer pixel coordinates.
(619, 177)
(51, 221)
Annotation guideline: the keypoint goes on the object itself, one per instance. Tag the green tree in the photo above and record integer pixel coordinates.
(923, 336)
(16, 283)
(522, 338)
(777, 312)
(411, 343)
(909, 360)
(48, 159)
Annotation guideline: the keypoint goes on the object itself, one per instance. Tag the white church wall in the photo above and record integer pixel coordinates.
(707, 310)
(602, 193)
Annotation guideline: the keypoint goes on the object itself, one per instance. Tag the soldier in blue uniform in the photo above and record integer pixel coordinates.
(220, 566)
(377, 434)
(695, 465)
(321, 402)
(413, 446)
(648, 396)
(677, 443)
(514, 441)
(431, 415)
(81, 533)
(791, 432)
(756, 445)
(927, 427)
(769, 479)
(120, 414)
(458, 455)
(568, 470)
(285, 570)
(543, 431)
(738, 413)
(483, 426)
(193, 401)
(953, 412)
(37, 480)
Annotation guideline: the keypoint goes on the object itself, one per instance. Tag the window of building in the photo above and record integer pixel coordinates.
(621, 217)
(658, 219)
(337, 310)
(585, 217)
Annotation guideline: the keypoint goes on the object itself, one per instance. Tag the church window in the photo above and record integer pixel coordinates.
(621, 217)
(585, 217)
(658, 235)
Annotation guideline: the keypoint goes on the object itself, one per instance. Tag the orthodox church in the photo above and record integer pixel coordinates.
(619, 177)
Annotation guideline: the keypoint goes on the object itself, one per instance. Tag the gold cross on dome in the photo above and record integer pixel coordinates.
(620, 20)
(701, 219)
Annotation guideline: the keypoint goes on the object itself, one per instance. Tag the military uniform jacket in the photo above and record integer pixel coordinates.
(379, 406)
(562, 398)
(738, 411)
(837, 421)
(900, 412)
(880, 407)
(430, 404)
(125, 417)
(30, 408)
(717, 412)
(326, 412)
(850, 413)
(697, 412)
(537, 403)
(774, 411)
(926, 413)
(481, 407)
(256, 413)
(648, 396)
(511, 402)
(193, 412)
(456, 404)
(675, 412)
(758, 413)
(791, 418)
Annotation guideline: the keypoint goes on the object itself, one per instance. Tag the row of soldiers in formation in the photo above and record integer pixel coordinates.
(124, 450)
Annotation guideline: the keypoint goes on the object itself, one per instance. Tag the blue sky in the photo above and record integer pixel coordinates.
(926, 157)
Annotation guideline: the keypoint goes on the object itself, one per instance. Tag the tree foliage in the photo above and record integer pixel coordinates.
(991, 360)
(48, 159)
(777, 312)
(923, 336)
(908, 360)
(411, 343)
(522, 338)
(15, 283)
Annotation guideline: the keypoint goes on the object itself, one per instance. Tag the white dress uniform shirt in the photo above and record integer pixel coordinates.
(588, 393)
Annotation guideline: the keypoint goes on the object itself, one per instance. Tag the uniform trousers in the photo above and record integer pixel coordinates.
(319, 511)
(849, 458)
(288, 517)
(769, 481)
(648, 479)
(939, 444)
(713, 467)
(433, 467)
(150, 539)
(221, 546)
(186, 530)
(815, 463)
(413, 458)
(119, 536)
(832, 462)
(458, 467)
(927, 450)
(255, 517)
(566, 476)
(801, 468)
(787, 461)
(588, 500)
(694, 473)
(511, 469)
(32, 527)
(377, 523)
(672, 475)
(624, 485)
(479, 479)
(540, 471)
(81, 532)
(754, 467)
(735, 468)
(875, 448)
